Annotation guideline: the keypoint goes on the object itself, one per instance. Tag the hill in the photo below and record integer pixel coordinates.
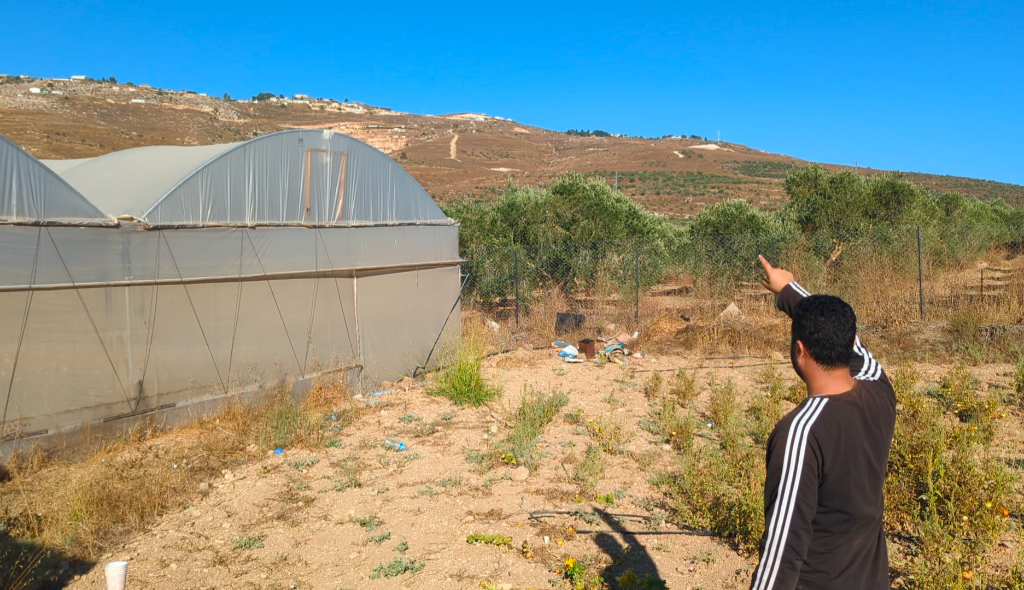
(455, 156)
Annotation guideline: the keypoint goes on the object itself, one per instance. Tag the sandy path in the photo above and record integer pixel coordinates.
(451, 148)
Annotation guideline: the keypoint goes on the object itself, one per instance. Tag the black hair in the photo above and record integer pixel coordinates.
(827, 326)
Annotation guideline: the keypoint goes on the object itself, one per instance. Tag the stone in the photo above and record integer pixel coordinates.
(520, 473)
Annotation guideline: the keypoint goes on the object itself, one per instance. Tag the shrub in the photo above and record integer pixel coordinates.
(725, 239)
(945, 489)
(547, 226)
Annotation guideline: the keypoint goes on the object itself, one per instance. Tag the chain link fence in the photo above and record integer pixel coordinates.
(889, 275)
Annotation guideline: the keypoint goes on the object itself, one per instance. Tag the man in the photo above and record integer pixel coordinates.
(827, 458)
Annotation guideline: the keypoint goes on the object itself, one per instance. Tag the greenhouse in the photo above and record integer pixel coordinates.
(157, 281)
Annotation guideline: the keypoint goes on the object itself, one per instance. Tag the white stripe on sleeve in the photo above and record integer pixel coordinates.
(794, 486)
(787, 487)
(799, 289)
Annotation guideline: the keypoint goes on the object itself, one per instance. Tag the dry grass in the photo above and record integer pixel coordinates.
(80, 510)
(960, 322)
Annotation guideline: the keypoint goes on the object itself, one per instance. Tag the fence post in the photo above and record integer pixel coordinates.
(515, 282)
(920, 275)
(636, 310)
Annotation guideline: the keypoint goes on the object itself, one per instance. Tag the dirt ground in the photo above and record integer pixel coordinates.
(431, 498)
(290, 520)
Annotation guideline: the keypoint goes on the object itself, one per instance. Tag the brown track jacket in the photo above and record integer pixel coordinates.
(823, 491)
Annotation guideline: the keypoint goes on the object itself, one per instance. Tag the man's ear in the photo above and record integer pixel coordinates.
(801, 351)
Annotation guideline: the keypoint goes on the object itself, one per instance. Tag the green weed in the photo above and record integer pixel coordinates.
(488, 539)
(396, 567)
(250, 543)
(460, 379)
(609, 432)
(671, 424)
(535, 412)
(380, 537)
(684, 387)
(590, 469)
(369, 522)
(631, 581)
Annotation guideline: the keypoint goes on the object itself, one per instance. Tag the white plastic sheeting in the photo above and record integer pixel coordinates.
(249, 265)
(31, 194)
(298, 177)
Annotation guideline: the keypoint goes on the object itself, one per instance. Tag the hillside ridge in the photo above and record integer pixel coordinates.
(457, 156)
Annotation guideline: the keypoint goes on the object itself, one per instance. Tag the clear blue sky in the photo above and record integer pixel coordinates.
(917, 86)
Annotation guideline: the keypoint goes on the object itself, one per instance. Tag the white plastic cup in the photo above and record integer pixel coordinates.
(117, 574)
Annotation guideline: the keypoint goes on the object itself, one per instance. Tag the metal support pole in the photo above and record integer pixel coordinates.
(920, 275)
(515, 282)
(636, 311)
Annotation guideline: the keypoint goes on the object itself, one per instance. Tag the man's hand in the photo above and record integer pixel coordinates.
(777, 277)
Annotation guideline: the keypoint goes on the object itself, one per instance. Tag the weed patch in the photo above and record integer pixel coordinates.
(380, 537)
(535, 412)
(590, 469)
(487, 539)
(397, 567)
(670, 423)
(369, 523)
(249, 543)
(461, 381)
(608, 432)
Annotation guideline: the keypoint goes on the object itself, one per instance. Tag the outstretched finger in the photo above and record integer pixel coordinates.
(764, 262)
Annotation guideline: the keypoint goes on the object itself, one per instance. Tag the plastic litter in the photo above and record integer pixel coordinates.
(116, 574)
(569, 351)
(278, 451)
(637, 355)
(559, 344)
(395, 444)
(567, 359)
(381, 392)
(335, 417)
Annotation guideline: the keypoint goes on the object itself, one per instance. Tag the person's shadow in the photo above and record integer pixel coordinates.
(631, 556)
